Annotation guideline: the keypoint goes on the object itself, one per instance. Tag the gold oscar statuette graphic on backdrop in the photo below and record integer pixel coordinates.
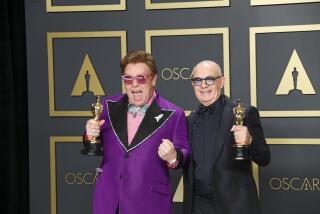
(93, 146)
(295, 80)
(87, 81)
(239, 151)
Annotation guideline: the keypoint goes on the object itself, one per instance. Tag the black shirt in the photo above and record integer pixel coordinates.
(204, 136)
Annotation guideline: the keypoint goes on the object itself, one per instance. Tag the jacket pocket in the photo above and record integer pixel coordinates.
(160, 187)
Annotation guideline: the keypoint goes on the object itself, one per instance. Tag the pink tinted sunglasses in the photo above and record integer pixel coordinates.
(141, 79)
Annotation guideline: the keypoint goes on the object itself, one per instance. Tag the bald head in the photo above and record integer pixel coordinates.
(207, 82)
(208, 66)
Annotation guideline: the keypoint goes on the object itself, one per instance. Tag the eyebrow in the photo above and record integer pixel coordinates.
(202, 77)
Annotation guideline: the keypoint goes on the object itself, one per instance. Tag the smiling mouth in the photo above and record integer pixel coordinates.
(205, 92)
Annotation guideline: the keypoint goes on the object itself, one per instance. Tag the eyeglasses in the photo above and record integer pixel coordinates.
(141, 79)
(197, 81)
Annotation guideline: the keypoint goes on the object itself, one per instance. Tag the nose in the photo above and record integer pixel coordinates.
(203, 84)
(135, 82)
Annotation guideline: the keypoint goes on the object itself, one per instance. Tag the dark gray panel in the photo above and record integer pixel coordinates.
(81, 2)
(176, 56)
(75, 174)
(181, 51)
(291, 183)
(273, 54)
(69, 55)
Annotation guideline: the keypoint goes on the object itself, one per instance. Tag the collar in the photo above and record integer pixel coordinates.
(135, 110)
(210, 109)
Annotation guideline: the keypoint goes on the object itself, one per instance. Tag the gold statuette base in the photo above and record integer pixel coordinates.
(240, 152)
(92, 148)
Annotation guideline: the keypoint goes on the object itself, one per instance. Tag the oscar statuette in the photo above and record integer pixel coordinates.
(94, 145)
(239, 151)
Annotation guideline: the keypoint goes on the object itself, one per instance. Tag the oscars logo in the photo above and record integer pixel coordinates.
(294, 183)
(176, 73)
(295, 80)
(80, 178)
(87, 81)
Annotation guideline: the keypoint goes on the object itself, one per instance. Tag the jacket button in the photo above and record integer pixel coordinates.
(120, 176)
(126, 155)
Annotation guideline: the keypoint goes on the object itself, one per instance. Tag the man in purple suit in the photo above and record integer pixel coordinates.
(143, 135)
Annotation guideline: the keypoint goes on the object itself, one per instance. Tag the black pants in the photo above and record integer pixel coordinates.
(203, 205)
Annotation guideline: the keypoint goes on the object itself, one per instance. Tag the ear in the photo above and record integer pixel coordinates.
(154, 80)
(192, 84)
(221, 82)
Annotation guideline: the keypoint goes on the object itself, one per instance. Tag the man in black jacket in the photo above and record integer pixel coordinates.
(216, 183)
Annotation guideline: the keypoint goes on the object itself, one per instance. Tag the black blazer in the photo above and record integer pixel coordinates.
(234, 188)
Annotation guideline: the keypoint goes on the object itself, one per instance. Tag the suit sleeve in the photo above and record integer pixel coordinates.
(259, 150)
(180, 139)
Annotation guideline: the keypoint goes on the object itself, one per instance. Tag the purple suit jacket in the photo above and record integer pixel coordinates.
(134, 178)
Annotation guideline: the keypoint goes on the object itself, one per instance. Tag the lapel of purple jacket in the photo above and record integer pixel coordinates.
(156, 116)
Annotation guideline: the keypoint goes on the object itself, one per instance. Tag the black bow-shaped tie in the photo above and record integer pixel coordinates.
(209, 109)
(202, 109)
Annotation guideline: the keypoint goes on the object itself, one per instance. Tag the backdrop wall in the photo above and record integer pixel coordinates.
(269, 52)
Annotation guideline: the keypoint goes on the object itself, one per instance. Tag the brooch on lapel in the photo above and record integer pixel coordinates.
(158, 117)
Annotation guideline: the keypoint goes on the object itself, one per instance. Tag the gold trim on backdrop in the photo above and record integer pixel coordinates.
(78, 8)
(253, 67)
(255, 172)
(78, 139)
(178, 196)
(62, 35)
(192, 4)
(187, 113)
(197, 31)
(293, 141)
(283, 141)
(273, 2)
(53, 174)
(193, 32)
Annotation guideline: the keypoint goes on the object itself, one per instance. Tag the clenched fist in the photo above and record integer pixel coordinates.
(167, 151)
(241, 135)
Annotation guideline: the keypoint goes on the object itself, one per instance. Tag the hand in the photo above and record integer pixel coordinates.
(241, 135)
(167, 151)
(93, 128)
